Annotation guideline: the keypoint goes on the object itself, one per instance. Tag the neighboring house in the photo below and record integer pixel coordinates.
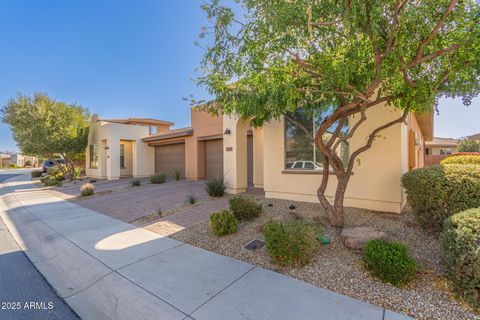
(474, 137)
(441, 146)
(5, 160)
(438, 149)
(278, 157)
(21, 160)
(140, 147)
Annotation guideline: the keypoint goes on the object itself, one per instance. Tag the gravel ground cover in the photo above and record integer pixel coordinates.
(341, 270)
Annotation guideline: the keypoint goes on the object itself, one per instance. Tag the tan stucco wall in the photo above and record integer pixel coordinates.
(375, 183)
(108, 135)
(419, 136)
(258, 155)
(128, 162)
(235, 154)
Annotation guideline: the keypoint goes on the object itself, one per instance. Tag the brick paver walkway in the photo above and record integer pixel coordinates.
(133, 203)
(187, 217)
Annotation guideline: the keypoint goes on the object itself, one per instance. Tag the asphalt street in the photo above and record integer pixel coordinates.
(24, 293)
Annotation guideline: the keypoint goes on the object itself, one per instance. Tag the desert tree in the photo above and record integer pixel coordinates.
(266, 59)
(48, 128)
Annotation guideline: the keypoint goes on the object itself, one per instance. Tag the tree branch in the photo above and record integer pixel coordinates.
(372, 137)
(435, 30)
(431, 56)
(398, 7)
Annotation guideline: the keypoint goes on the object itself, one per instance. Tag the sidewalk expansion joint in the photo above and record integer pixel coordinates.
(89, 286)
(153, 294)
(226, 287)
(152, 255)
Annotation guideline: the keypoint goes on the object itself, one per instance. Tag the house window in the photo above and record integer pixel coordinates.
(153, 130)
(122, 156)
(93, 156)
(445, 151)
(300, 150)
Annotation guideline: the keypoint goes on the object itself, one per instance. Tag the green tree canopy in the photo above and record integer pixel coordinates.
(269, 58)
(466, 145)
(44, 127)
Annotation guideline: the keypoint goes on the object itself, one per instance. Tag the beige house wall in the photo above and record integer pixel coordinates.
(107, 136)
(258, 154)
(375, 169)
(375, 183)
(127, 170)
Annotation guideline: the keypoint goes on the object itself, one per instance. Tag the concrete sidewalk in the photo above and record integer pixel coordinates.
(107, 269)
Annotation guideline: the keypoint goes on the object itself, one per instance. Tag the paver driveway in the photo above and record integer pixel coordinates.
(130, 203)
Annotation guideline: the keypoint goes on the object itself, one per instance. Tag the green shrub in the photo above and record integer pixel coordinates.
(78, 171)
(178, 174)
(191, 198)
(244, 208)
(53, 171)
(436, 192)
(462, 159)
(59, 177)
(50, 181)
(292, 243)
(223, 223)
(13, 166)
(461, 246)
(36, 174)
(87, 189)
(215, 187)
(136, 183)
(389, 261)
(158, 178)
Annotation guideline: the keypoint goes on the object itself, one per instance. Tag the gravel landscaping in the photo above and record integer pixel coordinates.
(341, 270)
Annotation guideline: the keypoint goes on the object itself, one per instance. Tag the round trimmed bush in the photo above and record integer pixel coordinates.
(389, 261)
(158, 178)
(87, 189)
(223, 223)
(292, 243)
(462, 159)
(36, 174)
(244, 208)
(437, 192)
(461, 247)
(51, 181)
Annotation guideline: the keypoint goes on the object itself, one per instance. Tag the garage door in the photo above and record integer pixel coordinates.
(170, 157)
(214, 159)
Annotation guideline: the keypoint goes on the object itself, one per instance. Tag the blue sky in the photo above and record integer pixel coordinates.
(124, 58)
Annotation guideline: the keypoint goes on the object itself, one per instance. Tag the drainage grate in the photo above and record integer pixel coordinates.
(254, 245)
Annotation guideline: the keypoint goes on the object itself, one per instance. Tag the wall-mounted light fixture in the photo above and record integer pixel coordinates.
(227, 131)
(107, 147)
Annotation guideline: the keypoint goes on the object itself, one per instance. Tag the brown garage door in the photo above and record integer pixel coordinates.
(214, 159)
(170, 157)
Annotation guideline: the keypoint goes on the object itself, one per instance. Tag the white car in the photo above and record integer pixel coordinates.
(304, 165)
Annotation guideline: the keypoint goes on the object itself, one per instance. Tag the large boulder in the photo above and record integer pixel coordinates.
(355, 238)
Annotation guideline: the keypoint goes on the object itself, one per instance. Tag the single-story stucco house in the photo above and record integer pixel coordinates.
(441, 146)
(277, 157)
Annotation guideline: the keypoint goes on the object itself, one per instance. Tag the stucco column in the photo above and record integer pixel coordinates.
(113, 158)
(235, 154)
(258, 158)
